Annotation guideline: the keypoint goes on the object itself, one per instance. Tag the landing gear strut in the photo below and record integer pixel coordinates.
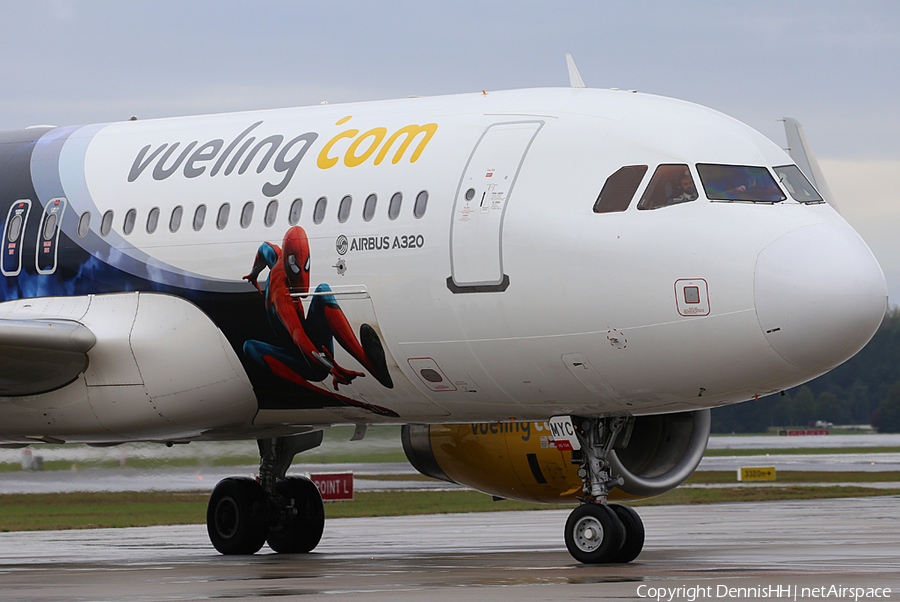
(598, 532)
(286, 511)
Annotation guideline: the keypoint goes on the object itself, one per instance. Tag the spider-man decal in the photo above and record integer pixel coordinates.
(306, 351)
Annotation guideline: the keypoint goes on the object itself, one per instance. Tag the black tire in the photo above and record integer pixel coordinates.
(236, 516)
(594, 534)
(303, 531)
(634, 533)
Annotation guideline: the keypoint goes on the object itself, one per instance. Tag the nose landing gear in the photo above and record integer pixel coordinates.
(597, 532)
(594, 533)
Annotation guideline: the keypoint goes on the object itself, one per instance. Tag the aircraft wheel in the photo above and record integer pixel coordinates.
(302, 531)
(594, 534)
(634, 533)
(236, 516)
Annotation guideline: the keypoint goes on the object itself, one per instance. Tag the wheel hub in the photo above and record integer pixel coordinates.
(227, 517)
(588, 534)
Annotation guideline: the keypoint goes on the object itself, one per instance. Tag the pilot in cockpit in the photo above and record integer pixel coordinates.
(685, 190)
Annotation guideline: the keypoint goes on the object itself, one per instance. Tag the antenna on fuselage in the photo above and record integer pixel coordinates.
(800, 151)
(574, 77)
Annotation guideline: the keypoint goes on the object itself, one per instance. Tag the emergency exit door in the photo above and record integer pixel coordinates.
(485, 189)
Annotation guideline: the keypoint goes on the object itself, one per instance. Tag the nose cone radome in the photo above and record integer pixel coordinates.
(820, 295)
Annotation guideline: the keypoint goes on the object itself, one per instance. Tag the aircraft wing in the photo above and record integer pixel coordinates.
(39, 355)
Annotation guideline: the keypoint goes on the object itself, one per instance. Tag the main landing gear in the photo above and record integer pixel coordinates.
(597, 532)
(245, 513)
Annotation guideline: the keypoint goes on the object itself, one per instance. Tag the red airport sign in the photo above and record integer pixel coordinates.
(334, 486)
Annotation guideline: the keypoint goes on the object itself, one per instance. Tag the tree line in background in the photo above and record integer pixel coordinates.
(864, 390)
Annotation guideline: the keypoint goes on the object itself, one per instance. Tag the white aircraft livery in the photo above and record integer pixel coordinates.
(548, 288)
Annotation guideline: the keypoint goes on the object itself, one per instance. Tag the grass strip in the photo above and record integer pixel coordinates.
(48, 511)
(712, 477)
(36, 512)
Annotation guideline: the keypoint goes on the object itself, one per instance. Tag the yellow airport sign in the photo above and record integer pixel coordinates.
(756, 473)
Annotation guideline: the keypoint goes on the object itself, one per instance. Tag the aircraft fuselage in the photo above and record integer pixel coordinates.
(495, 289)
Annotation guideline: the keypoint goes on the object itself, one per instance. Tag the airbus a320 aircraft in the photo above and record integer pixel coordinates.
(549, 288)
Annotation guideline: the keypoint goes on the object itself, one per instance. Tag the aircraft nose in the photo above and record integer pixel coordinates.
(820, 295)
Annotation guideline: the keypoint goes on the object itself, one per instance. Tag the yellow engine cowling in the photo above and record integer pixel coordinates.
(519, 460)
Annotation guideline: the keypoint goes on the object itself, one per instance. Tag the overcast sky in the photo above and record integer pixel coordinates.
(831, 65)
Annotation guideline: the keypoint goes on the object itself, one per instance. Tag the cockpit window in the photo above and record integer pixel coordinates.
(739, 183)
(619, 189)
(797, 184)
(671, 184)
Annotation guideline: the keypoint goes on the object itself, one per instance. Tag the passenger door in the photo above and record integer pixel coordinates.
(476, 231)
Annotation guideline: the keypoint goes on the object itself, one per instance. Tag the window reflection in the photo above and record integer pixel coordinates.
(739, 183)
(797, 184)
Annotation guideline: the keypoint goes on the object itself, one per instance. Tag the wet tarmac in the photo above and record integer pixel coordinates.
(774, 548)
(868, 439)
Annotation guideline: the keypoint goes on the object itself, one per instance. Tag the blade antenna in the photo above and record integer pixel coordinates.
(574, 77)
(801, 153)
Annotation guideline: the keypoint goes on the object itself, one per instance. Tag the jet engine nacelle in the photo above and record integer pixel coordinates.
(151, 366)
(519, 460)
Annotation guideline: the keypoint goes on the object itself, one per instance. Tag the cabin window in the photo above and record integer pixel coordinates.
(50, 226)
(294, 213)
(670, 185)
(271, 213)
(199, 217)
(394, 206)
(619, 189)
(319, 210)
(15, 228)
(130, 218)
(106, 223)
(421, 204)
(84, 225)
(247, 214)
(152, 220)
(344, 209)
(222, 216)
(369, 207)
(739, 183)
(797, 185)
(175, 220)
